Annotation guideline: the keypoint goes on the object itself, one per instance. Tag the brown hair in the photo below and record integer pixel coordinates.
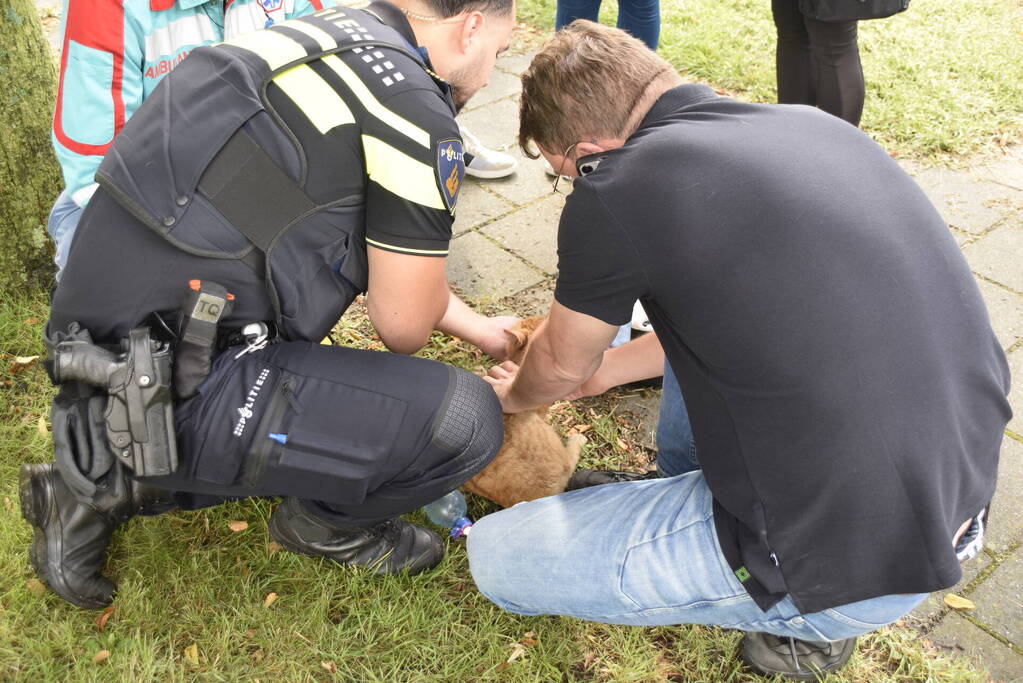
(585, 81)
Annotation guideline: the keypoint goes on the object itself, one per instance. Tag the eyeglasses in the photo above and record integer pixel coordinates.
(564, 158)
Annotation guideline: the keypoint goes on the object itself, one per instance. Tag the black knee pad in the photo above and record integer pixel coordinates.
(469, 423)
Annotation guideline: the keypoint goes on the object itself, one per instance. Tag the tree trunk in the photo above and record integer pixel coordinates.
(30, 177)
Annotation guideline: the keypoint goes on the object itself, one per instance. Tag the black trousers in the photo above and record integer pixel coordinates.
(359, 436)
(818, 62)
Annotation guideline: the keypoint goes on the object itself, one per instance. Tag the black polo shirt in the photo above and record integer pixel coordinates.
(846, 391)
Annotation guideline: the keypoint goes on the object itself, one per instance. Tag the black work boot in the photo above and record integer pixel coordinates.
(390, 547)
(797, 660)
(70, 539)
(583, 478)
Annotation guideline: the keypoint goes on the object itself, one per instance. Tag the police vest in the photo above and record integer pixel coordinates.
(217, 171)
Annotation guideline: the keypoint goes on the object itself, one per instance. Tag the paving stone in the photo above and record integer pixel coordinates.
(996, 255)
(999, 600)
(532, 232)
(496, 124)
(934, 605)
(501, 85)
(527, 184)
(536, 300)
(959, 636)
(1006, 310)
(1007, 171)
(967, 202)
(477, 206)
(515, 62)
(1016, 392)
(1006, 519)
(479, 268)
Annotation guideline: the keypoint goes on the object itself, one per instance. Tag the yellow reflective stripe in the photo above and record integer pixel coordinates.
(314, 96)
(442, 252)
(274, 47)
(322, 38)
(373, 105)
(400, 174)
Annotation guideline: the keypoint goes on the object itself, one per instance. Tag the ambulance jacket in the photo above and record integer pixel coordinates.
(115, 52)
(267, 163)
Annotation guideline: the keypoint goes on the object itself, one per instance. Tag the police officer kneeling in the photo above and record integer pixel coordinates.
(267, 182)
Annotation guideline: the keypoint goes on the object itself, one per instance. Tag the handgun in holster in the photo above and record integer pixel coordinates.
(139, 418)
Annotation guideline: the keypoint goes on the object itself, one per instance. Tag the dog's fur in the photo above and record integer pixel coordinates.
(533, 462)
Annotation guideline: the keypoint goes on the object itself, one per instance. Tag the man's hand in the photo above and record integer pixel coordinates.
(486, 333)
(501, 377)
(493, 339)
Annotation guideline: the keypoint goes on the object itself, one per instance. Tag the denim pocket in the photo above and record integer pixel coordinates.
(683, 569)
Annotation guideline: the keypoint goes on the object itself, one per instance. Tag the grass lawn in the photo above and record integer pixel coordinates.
(944, 78)
(200, 601)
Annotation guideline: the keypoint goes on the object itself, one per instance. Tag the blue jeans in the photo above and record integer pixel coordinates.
(61, 225)
(643, 553)
(639, 18)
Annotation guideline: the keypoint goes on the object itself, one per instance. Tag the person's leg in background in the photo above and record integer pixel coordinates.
(792, 56)
(838, 72)
(676, 448)
(570, 10)
(61, 225)
(641, 19)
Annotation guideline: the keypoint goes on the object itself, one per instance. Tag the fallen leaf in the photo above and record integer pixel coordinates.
(7, 503)
(517, 651)
(35, 587)
(329, 666)
(250, 633)
(528, 639)
(41, 426)
(237, 526)
(101, 620)
(100, 656)
(32, 321)
(622, 445)
(273, 547)
(270, 599)
(22, 362)
(192, 654)
(958, 602)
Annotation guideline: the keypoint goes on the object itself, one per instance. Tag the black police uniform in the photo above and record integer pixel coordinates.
(266, 164)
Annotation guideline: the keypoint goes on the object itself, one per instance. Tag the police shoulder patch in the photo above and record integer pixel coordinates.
(450, 170)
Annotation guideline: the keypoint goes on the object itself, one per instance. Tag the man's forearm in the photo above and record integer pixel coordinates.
(544, 377)
(641, 358)
(460, 321)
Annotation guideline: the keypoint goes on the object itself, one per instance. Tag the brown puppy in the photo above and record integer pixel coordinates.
(533, 462)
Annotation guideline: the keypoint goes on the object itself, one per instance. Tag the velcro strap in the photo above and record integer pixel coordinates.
(251, 191)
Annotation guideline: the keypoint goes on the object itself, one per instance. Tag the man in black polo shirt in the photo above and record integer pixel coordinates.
(846, 393)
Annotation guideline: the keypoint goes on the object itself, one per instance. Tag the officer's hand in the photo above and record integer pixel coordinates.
(493, 338)
(500, 377)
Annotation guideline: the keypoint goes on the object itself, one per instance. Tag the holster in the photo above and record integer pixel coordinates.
(137, 424)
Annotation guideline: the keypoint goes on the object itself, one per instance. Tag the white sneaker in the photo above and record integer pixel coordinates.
(640, 320)
(486, 163)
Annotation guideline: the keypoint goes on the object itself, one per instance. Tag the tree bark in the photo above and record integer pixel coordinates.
(30, 177)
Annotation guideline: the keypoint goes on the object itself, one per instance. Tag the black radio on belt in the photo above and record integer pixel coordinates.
(205, 304)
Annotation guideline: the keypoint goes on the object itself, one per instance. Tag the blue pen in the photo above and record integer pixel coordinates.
(279, 438)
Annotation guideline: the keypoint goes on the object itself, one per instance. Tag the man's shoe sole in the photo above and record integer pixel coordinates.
(490, 175)
(35, 491)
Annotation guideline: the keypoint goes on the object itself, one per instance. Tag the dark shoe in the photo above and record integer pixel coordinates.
(583, 478)
(797, 660)
(390, 547)
(70, 540)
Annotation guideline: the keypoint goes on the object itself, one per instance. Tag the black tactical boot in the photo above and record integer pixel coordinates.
(390, 547)
(583, 478)
(71, 537)
(797, 660)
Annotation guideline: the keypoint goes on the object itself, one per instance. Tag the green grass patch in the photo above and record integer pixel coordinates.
(944, 78)
(193, 593)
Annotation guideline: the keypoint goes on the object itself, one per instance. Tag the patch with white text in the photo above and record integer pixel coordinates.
(450, 170)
